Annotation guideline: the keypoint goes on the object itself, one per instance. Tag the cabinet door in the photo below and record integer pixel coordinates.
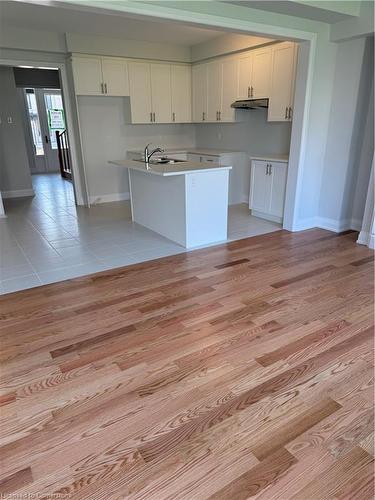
(214, 86)
(278, 186)
(199, 78)
(181, 93)
(260, 187)
(87, 72)
(245, 68)
(140, 92)
(161, 93)
(229, 89)
(261, 75)
(282, 82)
(115, 77)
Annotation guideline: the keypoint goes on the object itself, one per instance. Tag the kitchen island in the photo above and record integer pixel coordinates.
(187, 202)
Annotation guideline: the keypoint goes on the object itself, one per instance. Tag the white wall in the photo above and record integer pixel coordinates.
(14, 168)
(107, 135)
(349, 109)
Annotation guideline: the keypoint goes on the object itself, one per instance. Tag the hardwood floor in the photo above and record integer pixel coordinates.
(243, 370)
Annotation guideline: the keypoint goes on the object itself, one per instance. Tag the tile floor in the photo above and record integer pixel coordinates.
(47, 238)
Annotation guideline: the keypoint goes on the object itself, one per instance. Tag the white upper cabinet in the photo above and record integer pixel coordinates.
(254, 74)
(245, 69)
(115, 77)
(229, 89)
(88, 78)
(282, 82)
(181, 93)
(140, 92)
(100, 76)
(160, 93)
(261, 74)
(161, 97)
(214, 88)
(199, 78)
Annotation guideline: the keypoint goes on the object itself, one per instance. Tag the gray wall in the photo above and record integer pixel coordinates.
(14, 168)
(345, 175)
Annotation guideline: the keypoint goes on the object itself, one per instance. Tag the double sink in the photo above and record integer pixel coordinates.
(160, 161)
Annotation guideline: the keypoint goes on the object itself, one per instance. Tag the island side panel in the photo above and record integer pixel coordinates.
(158, 203)
(206, 207)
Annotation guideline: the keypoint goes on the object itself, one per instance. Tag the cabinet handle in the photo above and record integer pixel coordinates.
(267, 169)
(286, 113)
(290, 113)
(219, 115)
(105, 88)
(151, 117)
(154, 118)
(270, 172)
(102, 87)
(173, 116)
(203, 116)
(252, 92)
(248, 91)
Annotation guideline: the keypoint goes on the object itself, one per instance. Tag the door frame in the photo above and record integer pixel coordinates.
(42, 111)
(304, 77)
(79, 178)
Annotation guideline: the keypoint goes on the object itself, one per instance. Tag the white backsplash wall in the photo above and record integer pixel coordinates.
(251, 134)
(107, 134)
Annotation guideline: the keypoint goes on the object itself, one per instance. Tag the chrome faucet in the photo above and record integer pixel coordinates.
(148, 155)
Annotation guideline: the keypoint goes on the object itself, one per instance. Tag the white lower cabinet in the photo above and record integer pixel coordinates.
(267, 189)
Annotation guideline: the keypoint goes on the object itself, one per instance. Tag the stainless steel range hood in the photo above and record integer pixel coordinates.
(250, 104)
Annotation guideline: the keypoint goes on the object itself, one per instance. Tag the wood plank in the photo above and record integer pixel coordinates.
(239, 370)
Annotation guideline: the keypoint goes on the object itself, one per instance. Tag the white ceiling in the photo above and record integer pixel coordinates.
(62, 19)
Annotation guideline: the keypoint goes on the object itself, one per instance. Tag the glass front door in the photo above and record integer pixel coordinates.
(46, 116)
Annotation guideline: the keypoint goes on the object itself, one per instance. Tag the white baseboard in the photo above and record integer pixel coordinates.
(337, 226)
(107, 198)
(19, 193)
(272, 218)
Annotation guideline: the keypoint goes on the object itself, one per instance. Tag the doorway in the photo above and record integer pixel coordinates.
(46, 122)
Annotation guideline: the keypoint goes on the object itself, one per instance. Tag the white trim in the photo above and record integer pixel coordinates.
(262, 215)
(19, 193)
(107, 198)
(367, 239)
(334, 225)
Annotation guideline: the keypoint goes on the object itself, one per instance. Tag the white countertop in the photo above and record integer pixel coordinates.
(192, 150)
(280, 158)
(168, 169)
